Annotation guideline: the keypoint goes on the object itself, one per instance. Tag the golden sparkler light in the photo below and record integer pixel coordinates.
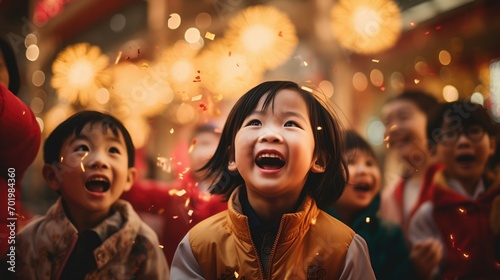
(264, 34)
(366, 26)
(228, 73)
(79, 72)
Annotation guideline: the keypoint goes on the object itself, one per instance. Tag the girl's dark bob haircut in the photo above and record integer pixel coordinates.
(75, 124)
(324, 187)
(354, 141)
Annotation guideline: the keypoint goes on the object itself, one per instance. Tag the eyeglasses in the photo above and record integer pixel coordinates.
(474, 133)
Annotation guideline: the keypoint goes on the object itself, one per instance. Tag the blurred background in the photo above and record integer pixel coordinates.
(165, 66)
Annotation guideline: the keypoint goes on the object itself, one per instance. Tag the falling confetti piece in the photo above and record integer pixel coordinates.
(175, 217)
(413, 24)
(193, 144)
(203, 107)
(427, 33)
(196, 98)
(305, 63)
(416, 81)
(210, 35)
(306, 88)
(190, 213)
(171, 131)
(145, 66)
(236, 274)
(382, 88)
(367, 220)
(438, 27)
(319, 128)
(118, 57)
(161, 246)
(375, 60)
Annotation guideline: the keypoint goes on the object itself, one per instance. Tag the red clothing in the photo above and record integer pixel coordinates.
(392, 207)
(172, 209)
(20, 137)
(466, 232)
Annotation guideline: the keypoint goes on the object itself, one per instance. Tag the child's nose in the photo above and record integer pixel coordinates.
(270, 135)
(97, 160)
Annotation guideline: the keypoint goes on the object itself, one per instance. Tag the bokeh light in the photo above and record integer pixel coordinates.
(450, 93)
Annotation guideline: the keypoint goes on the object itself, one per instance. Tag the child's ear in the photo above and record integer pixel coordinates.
(318, 165)
(231, 166)
(131, 177)
(493, 145)
(52, 176)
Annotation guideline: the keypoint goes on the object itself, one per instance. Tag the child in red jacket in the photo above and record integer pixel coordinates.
(462, 214)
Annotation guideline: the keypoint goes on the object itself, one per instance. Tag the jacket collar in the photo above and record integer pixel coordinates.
(57, 239)
(291, 223)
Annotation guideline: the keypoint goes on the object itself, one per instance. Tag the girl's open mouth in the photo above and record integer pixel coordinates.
(270, 161)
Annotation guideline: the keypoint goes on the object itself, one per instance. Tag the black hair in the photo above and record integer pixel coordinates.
(324, 187)
(75, 124)
(11, 64)
(462, 114)
(354, 141)
(423, 100)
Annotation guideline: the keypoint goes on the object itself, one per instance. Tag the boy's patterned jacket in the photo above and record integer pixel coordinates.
(130, 252)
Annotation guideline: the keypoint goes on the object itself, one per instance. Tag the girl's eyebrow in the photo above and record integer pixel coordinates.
(285, 113)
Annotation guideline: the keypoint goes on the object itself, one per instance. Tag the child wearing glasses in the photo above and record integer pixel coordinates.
(463, 213)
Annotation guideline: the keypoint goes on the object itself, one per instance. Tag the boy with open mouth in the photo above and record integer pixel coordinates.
(89, 233)
(463, 213)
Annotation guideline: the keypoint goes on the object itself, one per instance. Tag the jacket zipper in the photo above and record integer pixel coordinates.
(270, 264)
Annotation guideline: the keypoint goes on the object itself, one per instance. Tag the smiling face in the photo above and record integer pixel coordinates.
(405, 132)
(92, 172)
(465, 160)
(274, 148)
(364, 181)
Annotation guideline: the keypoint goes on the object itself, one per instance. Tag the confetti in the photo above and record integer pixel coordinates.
(427, 33)
(210, 35)
(197, 79)
(367, 220)
(319, 128)
(161, 246)
(118, 57)
(193, 144)
(306, 88)
(171, 131)
(196, 98)
(145, 66)
(190, 212)
(413, 24)
(203, 107)
(375, 60)
(416, 81)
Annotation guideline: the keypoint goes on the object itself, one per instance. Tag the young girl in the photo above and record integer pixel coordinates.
(358, 205)
(278, 160)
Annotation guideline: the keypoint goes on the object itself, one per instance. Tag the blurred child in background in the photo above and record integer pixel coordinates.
(463, 214)
(358, 205)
